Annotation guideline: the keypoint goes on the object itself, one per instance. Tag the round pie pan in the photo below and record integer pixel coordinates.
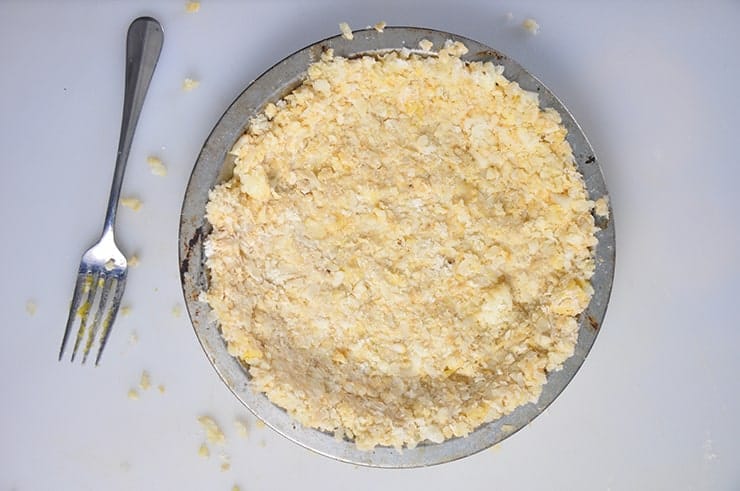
(214, 165)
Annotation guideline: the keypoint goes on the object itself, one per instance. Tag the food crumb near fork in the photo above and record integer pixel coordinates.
(380, 26)
(346, 31)
(133, 395)
(133, 261)
(125, 310)
(192, 7)
(132, 203)
(203, 451)
(161, 388)
(190, 84)
(31, 308)
(156, 166)
(531, 26)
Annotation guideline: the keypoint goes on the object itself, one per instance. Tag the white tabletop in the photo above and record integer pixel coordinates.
(654, 86)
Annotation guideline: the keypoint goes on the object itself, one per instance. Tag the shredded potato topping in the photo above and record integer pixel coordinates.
(403, 249)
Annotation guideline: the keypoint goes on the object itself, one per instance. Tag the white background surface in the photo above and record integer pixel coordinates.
(654, 86)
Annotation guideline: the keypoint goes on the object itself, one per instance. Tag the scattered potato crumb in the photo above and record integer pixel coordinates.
(31, 307)
(189, 84)
(177, 310)
(145, 382)
(133, 395)
(496, 448)
(531, 25)
(125, 310)
(259, 424)
(131, 202)
(203, 451)
(225, 463)
(506, 429)
(380, 26)
(133, 261)
(235, 488)
(601, 207)
(346, 31)
(241, 428)
(156, 166)
(425, 45)
(161, 388)
(192, 7)
(213, 432)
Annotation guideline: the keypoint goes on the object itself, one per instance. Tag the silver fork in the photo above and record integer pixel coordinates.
(103, 267)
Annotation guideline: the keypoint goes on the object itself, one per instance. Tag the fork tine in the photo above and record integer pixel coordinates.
(84, 311)
(79, 287)
(93, 331)
(113, 312)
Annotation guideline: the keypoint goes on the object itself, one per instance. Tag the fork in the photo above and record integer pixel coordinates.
(103, 267)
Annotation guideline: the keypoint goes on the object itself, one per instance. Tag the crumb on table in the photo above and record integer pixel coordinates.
(125, 310)
(133, 261)
(156, 166)
(203, 451)
(133, 395)
(145, 382)
(531, 26)
(380, 26)
(241, 428)
(192, 7)
(213, 432)
(132, 202)
(31, 307)
(190, 84)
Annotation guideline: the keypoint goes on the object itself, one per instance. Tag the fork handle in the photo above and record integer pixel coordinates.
(143, 45)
